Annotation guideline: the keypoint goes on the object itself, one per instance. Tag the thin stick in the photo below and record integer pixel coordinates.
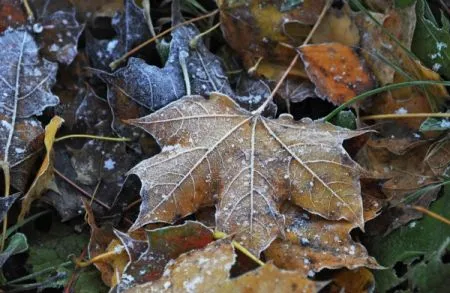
(131, 205)
(382, 89)
(238, 246)
(28, 10)
(432, 214)
(113, 65)
(406, 115)
(194, 41)
(84, 192)
(294, 60)
(7, 179)
(88, 136)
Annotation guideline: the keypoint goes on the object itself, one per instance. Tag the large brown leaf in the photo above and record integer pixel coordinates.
(214, 152)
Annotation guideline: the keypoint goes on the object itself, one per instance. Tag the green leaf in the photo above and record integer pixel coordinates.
(53, 249)
(90, 281)
(16, 244)
(431, 43)
(435, 124)
(404, 3)
(417, 247)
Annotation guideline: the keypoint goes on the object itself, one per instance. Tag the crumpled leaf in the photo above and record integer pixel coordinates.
(131, 28)
(44, 177)
(138, 88)
(147, 259)
(313, 243)
(25, 82)
(208, 270)
(247, 165)
(337, 71)
(56, 29)
(431, 42)
(17, 243)
(6, 203)
(256, 28)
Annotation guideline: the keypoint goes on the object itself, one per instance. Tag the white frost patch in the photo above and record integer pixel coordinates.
(436, 66)
(118, 249)
(53, 48)
(401, 111)
(19, 150)
(440, 46)
(109, 164)
(169, 148)
(6, 124)
(111, 46)
(191, 285)
(127, 279)
(445, 124)
(413, 224)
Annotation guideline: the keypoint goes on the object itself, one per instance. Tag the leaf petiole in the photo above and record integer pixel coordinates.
(88, 136)
(238, 246)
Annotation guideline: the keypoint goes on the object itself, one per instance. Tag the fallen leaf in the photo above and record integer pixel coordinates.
(17, 243)
(6, 203)
(207, 270)
(147, 259)
(256, 28)
(131, 29)
(25, 82)
(312, 244)
(138, 88)
(247, 165)
(56, 29)
(44, 177)
(11, 14)
(337, 71)
(359, 280)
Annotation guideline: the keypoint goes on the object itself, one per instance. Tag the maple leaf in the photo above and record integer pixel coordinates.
(213, 151)
(25, 82)
(208, 270)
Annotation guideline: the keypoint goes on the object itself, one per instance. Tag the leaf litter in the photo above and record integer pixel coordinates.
(215, 147)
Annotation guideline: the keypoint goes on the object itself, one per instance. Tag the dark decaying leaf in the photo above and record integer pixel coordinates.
(11, 14)
(208, 270)
(214, 152)
(25, 82)
(6, 203)
(131, 29)
(56, 29)
(17, 243)
(138, 88)
(148, 259)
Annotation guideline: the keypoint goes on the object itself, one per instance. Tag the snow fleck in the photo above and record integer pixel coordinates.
(53, 48)
(304, 241)
(440, 46)
(112, 45)
(127, 279)
(38, 28)
(167, 285)
(311, 274)
(19, 150)
(118, 249)
(352, 250)
(109, 164)
(413, 224)
(191, 285)
(6, 124)
(401, 111)
(306, 261)
(436, 66)
(445, 123)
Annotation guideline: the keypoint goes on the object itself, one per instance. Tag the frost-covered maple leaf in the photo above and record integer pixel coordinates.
(214, 152)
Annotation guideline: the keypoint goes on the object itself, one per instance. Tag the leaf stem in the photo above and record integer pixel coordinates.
(432, 214)
(28, 10)
(294, 60)
(88, 136)
(7, 182)
(113, 65)
(194, 41)
(407, 115)
(238, 246)
(101, 257)
(46, 270)
(382, 89)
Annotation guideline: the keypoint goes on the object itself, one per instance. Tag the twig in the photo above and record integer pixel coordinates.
(294, 60)
(28, 10)
(406, 115)
(84, 192)
(116, 63)
(194, 41)
(432, 214)
(88, 136)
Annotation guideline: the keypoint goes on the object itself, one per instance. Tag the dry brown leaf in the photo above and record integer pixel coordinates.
(337, 70)
(255, 29)
(44, 177)
(356, 281)
(207, 270)
(214, 152)
(313, 243)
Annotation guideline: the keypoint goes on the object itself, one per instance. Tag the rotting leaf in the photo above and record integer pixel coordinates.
(313, 243)
(56, 29)
(44, 177)
(6, 203)
(148, 259)
(25, 82)
(337, 71)
(131, 28)
(214, 152)
(138, 88)
(208, 270)
(11, 14)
